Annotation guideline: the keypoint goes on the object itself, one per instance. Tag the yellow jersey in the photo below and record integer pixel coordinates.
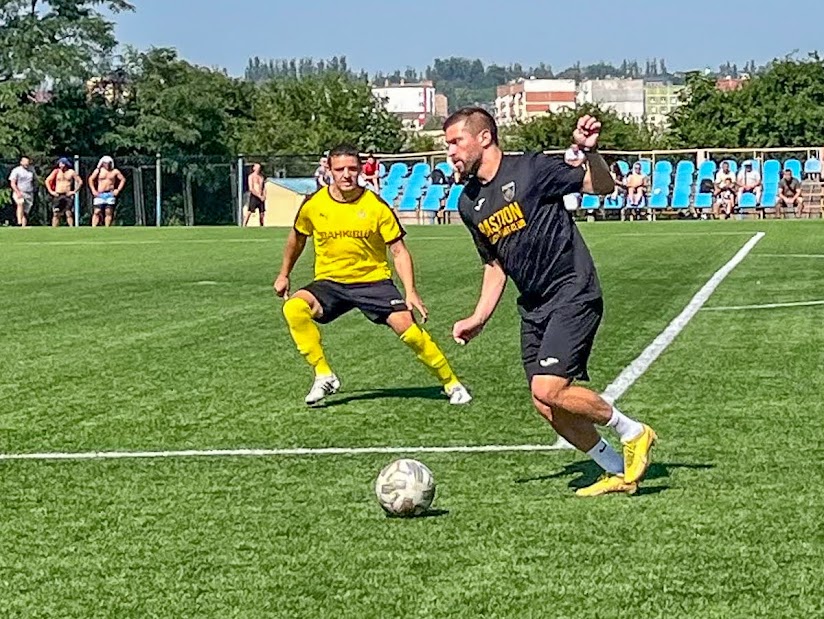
(350, 238)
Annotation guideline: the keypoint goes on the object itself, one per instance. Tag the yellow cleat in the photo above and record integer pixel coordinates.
(607, 484)
(637, 455)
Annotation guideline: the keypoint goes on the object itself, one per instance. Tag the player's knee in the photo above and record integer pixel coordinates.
(543, 409)
(296, 309)
(549, 390)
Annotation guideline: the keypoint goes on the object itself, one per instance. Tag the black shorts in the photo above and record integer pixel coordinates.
(557, 341)
(256, 204)
(376, 300)
(61, 203)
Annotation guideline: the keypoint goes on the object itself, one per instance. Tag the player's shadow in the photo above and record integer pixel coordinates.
(586, 473)
(432, 513)
(405, 393)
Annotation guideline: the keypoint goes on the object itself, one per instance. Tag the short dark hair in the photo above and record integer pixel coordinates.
(477, 119)
(345, 150)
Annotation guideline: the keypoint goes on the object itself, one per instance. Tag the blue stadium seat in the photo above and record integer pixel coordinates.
(614, 204)
(445, 167)
(707, 169)
(381, 171)
(421, 169)
(770, 195)
(589, 201)
(685, 168)
(454, 196)
(795, 166)
(623, 166)
(659, 198)
(748, 201)
(398, 171)
(662, 168)
(812, 166)
(433, 197)
(389, 193)
(409, 202)
(683, 184)
(681, 198)
(703, 200)
(772, 171)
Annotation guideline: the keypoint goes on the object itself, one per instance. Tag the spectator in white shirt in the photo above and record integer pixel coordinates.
(749, 181)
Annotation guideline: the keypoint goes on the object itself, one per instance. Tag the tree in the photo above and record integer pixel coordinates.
(554, 131)
(177, 108)
(54, 39)
(783, 106)
(313, 114)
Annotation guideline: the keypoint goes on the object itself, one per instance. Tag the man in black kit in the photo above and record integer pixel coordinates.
(513, 208)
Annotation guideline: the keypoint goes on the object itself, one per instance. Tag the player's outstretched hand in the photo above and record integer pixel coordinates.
(281, 286)
(414, 302)
(587, 132)
(466, 329)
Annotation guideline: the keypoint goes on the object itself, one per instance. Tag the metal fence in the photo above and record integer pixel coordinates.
(204, 191)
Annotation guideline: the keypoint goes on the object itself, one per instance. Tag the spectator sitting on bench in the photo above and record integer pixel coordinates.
(636, 183)
(724, 200)
(789, 195)
(618, 179)
(749, 181)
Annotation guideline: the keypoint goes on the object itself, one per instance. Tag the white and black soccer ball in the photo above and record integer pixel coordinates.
(405, 488)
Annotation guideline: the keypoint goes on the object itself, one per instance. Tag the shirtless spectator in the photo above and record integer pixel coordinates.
(62, 184)
(749, 181)
(106, 183)
(257, 197)
(789, 195)
(637, 183)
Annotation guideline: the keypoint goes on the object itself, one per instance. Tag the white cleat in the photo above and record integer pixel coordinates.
(459, 395)
(322, 387)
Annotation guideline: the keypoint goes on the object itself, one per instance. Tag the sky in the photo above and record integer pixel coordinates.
(384, 36)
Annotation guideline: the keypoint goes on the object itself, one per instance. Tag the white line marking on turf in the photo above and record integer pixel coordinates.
(636, 369)
(298, 451)
(732, 308)
(614, 391)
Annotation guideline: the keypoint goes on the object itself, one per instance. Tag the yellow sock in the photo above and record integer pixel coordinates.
(306, 334)
(430, 355)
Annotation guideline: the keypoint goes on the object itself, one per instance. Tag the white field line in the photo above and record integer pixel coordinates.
(637, 368)
(734, 308)
(273, 240)
(617, 388)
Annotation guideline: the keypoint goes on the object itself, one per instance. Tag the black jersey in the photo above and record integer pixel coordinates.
(519, 219)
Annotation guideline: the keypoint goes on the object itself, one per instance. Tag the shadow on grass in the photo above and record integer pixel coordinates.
(432, 513)
(586, 473)
(424, 393)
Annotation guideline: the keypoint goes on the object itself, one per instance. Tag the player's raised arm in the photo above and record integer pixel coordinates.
(406, 272)
(597, 180)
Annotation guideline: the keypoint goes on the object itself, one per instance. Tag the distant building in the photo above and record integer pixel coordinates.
(729, 83)
(441, 105)
(525, 99)
(624, 96)
(414, 103)
(660, 99)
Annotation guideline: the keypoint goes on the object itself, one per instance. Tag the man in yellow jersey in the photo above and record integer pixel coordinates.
(351, 228)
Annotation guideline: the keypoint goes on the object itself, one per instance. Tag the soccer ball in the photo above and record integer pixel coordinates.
(405, 488)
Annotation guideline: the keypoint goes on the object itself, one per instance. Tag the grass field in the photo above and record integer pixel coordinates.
(142, 339)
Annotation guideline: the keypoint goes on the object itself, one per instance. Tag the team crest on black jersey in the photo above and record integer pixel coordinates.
(509, 191)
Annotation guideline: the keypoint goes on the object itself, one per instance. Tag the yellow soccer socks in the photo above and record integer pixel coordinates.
(306, 334)
(430, 355)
